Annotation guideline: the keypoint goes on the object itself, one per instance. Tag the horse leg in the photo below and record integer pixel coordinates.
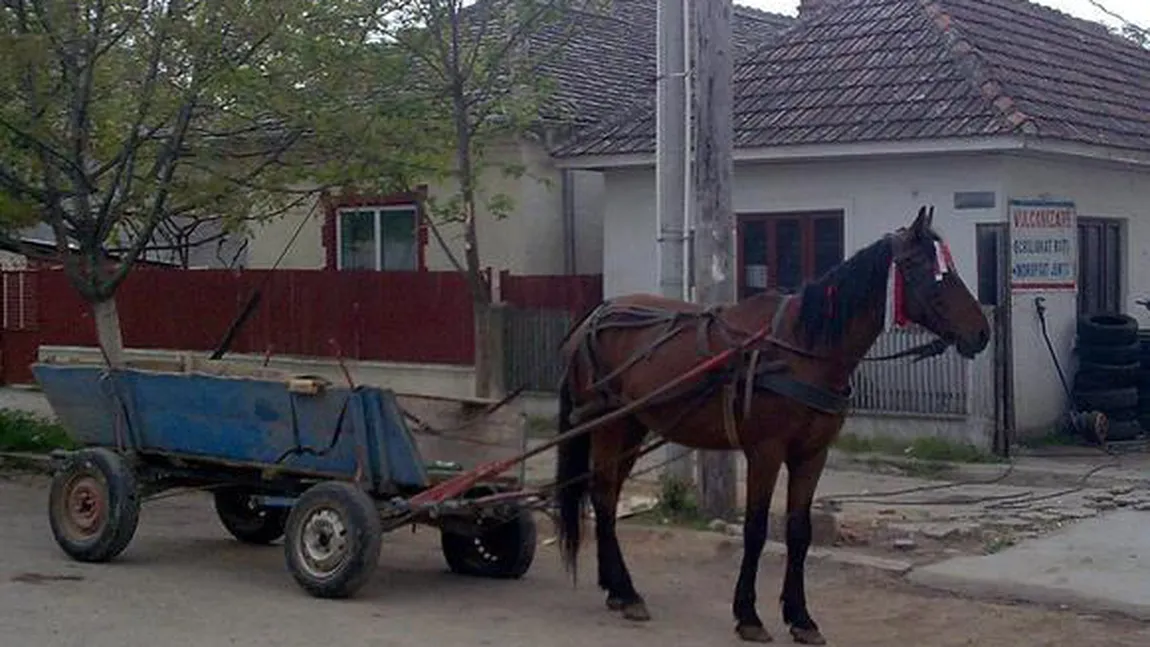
(802, 480)
(763, 463)
(614, 457)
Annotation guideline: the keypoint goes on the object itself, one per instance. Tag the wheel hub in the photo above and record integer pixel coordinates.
(324, 542)
(85, 505)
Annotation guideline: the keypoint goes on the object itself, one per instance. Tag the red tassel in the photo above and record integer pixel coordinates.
(900, 318)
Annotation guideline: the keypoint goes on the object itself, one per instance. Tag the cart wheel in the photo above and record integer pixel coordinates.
(94, 506)
(332, 539)
(246, 520)
(504, 549)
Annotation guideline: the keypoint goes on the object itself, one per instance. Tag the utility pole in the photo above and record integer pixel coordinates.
(671, 179)
(714, 217)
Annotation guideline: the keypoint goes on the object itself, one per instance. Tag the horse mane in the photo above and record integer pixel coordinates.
(830, 302)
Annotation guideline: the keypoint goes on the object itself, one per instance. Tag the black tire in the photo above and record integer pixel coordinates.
(1093, 377)
(332, 539)
(1121, 430)
(94, 505)
(246, 521)
(1123, 415)
(1106, 400)
(1111, 329)
(1116, 355)
(504, 549)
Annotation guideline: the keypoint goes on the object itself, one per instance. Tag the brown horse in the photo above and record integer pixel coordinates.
(782, 399)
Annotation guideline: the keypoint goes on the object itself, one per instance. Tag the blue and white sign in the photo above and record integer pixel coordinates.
(1043, 245)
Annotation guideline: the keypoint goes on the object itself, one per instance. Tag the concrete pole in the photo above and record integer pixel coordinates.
(714, 215)
(671, 177)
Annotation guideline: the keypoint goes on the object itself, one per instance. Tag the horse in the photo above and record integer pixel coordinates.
(782, 398)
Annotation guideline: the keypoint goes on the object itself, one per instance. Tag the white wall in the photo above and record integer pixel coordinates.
(877, 196)
(1098, 190)
(880, 195)
(528, 241)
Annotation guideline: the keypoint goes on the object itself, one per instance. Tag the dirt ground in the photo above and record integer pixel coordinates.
(183, 581)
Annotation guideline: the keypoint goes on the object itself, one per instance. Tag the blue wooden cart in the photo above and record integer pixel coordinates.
(328, 468)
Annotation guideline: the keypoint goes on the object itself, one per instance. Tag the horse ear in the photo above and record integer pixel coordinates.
(921, 226)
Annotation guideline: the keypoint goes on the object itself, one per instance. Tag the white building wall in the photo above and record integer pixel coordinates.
(1098, 190)
(878, 196)
(528, 241)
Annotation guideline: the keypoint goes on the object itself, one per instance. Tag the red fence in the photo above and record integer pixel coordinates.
(577, 294)
(422, 317)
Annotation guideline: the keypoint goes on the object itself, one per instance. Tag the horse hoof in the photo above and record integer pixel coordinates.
(636, 612)
(808, 636)
(616, 604)
(754, 634)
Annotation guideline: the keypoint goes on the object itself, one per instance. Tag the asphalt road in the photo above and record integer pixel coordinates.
(184, 581)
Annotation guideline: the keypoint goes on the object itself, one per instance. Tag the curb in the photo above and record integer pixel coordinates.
(1009, 591)
(1035, 474)
(27, 462)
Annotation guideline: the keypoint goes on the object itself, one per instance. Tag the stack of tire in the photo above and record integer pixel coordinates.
(1144, 380)
(1109, 371)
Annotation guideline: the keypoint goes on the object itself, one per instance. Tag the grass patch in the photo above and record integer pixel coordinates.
(927, 448)
(542, 426)
(677, 507)
(21, 431)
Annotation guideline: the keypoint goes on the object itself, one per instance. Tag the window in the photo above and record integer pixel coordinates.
(378, 238)
(990, 249)
(1099, 265)
(783, 251)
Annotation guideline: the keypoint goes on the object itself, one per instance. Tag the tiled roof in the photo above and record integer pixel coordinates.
(603, 61)
(883, 70)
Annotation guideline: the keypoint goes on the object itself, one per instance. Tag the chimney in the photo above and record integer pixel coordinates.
(808, 7)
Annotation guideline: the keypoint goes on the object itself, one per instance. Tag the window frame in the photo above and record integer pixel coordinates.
(807, 242)
(377, 211)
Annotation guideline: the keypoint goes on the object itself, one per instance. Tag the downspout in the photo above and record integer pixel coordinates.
(567, 181)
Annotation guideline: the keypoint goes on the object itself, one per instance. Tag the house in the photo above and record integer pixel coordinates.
(605, 61)
(865, 109)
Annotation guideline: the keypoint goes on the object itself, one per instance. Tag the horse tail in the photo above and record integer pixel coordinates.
(572, 470)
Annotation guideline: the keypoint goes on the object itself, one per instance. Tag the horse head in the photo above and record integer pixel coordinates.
(933, 294)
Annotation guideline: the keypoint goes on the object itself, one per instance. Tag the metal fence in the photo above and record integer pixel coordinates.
(948, 385)
(531, 338)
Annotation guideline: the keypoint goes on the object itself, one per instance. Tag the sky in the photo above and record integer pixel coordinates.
(1135, 11)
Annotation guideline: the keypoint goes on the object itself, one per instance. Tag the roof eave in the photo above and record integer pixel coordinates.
(822, 151)
(1109, 154)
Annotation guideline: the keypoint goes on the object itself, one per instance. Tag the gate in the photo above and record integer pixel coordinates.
(531, 338)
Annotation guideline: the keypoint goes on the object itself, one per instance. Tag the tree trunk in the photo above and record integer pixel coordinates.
(482, 348)
(489, 380)
(108, 333)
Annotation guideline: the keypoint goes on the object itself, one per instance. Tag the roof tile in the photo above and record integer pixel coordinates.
(869, 70)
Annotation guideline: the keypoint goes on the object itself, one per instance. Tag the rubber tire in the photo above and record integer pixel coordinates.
(1114, 355)
(364, 529)
(511, 543)
(1123, 415)
(121, 495)
(1111, 329)
(1121, 430)
(1092, 377)
(1106, 400)
(260, 526)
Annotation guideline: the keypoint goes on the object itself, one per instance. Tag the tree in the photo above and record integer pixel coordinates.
(123, 119)
(483, 72)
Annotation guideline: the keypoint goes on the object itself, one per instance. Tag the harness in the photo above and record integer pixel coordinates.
(748, 372)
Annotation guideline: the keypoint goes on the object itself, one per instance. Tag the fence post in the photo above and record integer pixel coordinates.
(497, 349)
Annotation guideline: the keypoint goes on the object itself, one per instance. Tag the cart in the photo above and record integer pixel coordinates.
(328, 468)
